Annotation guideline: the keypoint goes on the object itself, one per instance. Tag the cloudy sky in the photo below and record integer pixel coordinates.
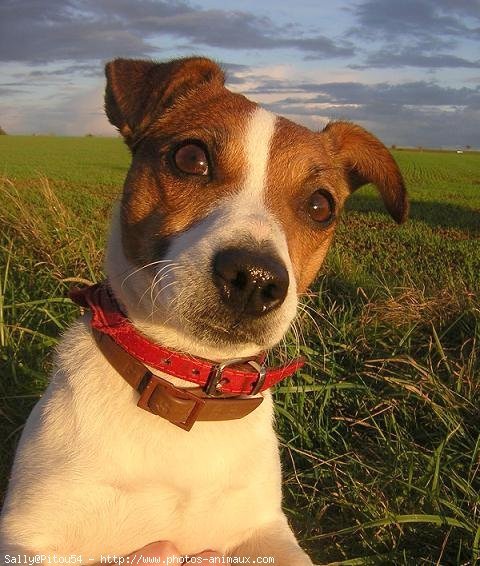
(409, 70)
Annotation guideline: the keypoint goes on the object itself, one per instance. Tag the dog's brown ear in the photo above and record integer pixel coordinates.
(367, 160)
(138, 91)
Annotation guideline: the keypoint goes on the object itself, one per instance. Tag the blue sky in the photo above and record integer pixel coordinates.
(408, 70)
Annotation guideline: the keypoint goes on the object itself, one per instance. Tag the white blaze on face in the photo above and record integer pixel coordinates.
(257, 148)
(247, 211)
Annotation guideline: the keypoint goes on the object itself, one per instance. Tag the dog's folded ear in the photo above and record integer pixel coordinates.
(367, 160)
(138, 91)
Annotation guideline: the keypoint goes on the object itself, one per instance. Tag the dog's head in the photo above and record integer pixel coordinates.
(228, 210)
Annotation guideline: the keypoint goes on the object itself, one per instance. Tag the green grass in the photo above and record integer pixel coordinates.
(89, 160)
(381, 432)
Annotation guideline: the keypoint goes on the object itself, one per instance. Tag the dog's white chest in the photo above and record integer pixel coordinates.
(120, 478)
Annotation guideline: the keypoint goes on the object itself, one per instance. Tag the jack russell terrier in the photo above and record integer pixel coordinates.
(157, 423)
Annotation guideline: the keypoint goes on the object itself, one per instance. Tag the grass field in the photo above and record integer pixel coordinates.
(380, 434)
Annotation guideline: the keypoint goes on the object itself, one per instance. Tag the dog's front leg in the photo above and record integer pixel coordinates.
(277, 542)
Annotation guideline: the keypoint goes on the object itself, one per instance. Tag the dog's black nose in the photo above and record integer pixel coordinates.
(250, 282)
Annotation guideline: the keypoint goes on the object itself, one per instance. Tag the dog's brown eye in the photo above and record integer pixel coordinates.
(321, 207)
(191, 158)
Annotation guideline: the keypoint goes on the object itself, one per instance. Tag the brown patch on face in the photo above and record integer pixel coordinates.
(159, 200)
(301, 163)
(336, 161)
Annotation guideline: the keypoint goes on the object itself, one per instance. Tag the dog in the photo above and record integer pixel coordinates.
(226, 216)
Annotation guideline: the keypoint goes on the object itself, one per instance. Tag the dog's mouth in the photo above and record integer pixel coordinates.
(219, 335)
(221, 328)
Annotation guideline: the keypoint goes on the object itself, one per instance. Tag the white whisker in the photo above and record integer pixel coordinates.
(144, 267)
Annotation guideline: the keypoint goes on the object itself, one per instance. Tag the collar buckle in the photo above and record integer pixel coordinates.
(213, 387)
(183, 407)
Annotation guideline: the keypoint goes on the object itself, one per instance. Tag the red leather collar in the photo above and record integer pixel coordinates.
(217, 378)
